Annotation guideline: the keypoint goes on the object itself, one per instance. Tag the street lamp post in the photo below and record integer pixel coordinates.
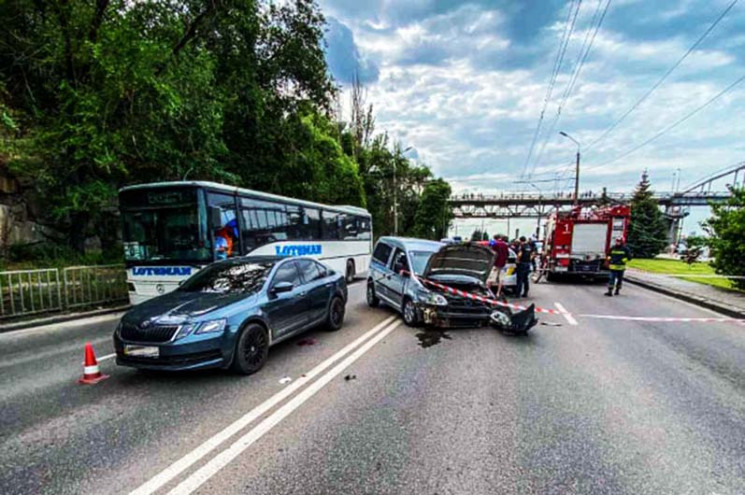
(540, 210)
(576, 171)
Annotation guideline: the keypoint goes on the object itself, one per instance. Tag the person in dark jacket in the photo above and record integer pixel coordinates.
(525, 255)
(619, 256)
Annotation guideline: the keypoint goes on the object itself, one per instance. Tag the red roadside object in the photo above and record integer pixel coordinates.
(91, 373)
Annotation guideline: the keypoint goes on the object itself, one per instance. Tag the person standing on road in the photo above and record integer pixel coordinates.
(502, 251)
(524, 259)
(619, 256)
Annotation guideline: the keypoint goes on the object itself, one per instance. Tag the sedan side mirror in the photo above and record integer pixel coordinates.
(281, 287)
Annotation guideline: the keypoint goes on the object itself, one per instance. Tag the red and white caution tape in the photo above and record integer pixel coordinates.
(475, 297)
(495, 302)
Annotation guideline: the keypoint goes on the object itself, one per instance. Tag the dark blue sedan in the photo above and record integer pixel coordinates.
(230, 313)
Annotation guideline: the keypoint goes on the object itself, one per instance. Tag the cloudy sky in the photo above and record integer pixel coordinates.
(464, 84)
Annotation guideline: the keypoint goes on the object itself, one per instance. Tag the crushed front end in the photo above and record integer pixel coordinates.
(455, 311)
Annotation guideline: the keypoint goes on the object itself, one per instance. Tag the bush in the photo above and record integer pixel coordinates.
(51, 255)
(727, 230)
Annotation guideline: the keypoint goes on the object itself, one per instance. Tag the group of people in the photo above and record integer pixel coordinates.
(526, 253)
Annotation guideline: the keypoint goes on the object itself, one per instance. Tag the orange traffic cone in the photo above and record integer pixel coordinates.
(91, 373)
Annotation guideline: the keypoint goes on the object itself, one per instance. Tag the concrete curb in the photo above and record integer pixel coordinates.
(683, 296)
(51, 320)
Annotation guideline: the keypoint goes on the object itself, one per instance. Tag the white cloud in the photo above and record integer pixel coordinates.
(458, 86)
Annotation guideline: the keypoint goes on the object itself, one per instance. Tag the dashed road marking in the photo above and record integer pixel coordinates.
(569, 318)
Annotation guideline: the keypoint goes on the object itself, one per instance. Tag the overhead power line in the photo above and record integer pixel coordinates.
(674, 124)
(581, 59)
(665, 75)
(568, 29)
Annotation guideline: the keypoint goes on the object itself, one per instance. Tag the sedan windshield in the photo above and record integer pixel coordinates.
(238, 277)
(419, 260)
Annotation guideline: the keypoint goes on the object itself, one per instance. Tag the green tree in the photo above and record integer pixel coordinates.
(434, 215)
(477, 235)
(647, 232)
(486, 236)
(727, 230)
(101, 94)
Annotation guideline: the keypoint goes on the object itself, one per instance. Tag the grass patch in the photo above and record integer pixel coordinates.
(682, 269)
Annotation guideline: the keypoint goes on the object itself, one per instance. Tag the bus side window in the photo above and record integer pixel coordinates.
(225, 233)
(331, 227)
(311, 224)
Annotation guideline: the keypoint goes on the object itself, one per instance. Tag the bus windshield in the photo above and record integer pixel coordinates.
(162, 227)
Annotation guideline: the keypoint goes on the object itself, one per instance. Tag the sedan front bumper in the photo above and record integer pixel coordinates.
(202, 354)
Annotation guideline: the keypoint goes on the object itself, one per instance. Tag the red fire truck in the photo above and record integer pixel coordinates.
(577, 242)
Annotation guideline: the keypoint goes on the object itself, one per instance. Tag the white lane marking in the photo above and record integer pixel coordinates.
(107, 356)
(175, 469)
(200, 476)
(569, 318)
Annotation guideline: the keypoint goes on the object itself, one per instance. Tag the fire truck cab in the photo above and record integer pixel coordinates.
(578, 242)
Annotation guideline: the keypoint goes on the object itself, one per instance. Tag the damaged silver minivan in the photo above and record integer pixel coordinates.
(417, 278)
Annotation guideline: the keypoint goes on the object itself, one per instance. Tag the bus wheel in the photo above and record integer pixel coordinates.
(350, 271)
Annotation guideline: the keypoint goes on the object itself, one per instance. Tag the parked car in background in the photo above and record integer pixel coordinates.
(509, 275)
(409, 275)
(230, 313)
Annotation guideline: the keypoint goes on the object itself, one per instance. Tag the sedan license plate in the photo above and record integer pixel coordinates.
(141, 351)
(587, 268)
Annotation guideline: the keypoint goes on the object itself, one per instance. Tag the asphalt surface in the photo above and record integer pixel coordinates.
(603, 406)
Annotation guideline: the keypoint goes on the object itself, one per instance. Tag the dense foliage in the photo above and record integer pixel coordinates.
(98, 94)
(647, 235)
(727, 230)
(434, 215)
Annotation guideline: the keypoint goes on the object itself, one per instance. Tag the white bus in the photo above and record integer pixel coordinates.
(173, 229)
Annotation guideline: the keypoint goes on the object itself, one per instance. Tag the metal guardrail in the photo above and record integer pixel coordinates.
(29, 292)
(88, 285)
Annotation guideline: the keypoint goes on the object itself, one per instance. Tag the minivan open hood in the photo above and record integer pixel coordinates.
(461, 259)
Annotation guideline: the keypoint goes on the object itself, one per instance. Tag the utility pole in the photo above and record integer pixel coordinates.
(576, 169)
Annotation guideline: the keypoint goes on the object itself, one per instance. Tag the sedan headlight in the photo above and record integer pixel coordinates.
(427, 297)
(213, 326)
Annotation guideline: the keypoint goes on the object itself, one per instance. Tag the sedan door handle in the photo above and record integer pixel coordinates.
(303, 294)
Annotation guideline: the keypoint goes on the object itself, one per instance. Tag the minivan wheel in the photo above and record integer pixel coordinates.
(372, 299)
(350, 271)
(335, 318)
(251, 350)
(410, 316)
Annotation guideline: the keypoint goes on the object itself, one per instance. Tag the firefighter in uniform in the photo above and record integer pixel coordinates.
(619, 255)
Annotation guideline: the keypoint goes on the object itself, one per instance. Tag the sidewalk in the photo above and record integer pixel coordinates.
(60, 318)
(730, 303)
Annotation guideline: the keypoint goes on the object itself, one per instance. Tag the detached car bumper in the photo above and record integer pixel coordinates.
(202, 354)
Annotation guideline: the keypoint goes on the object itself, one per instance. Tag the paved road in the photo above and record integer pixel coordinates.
(602, 406)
